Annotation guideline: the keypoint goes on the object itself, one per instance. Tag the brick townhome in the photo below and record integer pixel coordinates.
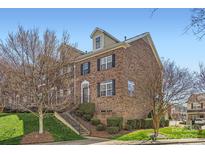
(196, 107)
(108, 75)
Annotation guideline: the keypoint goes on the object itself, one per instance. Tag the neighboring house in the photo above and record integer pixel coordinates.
(196, 107)
(108, 75)
(178, 112)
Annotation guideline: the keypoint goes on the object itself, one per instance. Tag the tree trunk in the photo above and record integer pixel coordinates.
(156, 125)
(40, 121)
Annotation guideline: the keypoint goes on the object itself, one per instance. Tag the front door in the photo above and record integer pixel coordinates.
(85, 95)
(85, 92)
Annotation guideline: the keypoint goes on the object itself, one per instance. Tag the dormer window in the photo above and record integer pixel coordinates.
(98, 42)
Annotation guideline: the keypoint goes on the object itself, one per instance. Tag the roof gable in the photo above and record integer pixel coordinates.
(106, 33)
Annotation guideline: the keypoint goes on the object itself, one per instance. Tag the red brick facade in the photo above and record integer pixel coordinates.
(121, 104)
(126, 68)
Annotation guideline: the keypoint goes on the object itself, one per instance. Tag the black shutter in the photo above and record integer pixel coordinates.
(98, 64)
(81, 70)
(113, 60)
(113, 87)
(191, 105)
(98, 89)
(88, 67)
(202, 105)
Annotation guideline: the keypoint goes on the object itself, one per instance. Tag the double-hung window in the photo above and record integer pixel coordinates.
(98, 42)
(85, 68)
(106, 62)
(107, 88)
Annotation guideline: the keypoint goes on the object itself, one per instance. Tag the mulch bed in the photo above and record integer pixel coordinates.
(95, 133)
(105, 134)
(35, 137)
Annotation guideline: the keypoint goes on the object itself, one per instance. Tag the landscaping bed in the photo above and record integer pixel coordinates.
(14, 126)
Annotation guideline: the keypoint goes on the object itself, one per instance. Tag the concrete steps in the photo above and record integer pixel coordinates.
(74, 123)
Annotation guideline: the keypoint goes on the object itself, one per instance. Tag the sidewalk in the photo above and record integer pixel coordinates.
(88, 140)
(159, 142)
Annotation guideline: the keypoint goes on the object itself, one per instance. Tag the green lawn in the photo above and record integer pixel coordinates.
(168, 132)
(14, 126)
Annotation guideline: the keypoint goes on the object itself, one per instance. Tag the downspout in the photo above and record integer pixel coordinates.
(74, 90)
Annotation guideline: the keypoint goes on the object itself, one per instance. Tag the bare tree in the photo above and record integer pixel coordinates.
(198, 22)
(200, 83)
(162, 86)
(35, 72)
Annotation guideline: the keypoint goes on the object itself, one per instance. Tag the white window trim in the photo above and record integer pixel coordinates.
(132, 84)
(102, 43)
(106, 87)
(196, 106)
(106, 61)
(83, 84)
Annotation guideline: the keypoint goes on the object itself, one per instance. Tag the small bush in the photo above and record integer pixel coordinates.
(87, 117)
(138, 124)
(79, 113)
(100, 127)
(142, 123)
(188, 127)
(112, 130)
(162, 122)
(128, 127)
(95, 121)
(87, 108)
(131, 124)
(115, 122)
(148, 123)
(167, 123)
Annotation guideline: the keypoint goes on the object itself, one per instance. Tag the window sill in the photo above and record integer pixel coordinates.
(107, 69)
(106, 96)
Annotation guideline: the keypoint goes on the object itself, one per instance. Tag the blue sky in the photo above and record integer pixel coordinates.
(166, 28)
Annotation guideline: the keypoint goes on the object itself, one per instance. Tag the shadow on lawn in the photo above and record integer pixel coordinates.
(11, 141)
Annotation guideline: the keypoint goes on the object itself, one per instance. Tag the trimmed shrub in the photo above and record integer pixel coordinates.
(87, 108)
(162, 122)
(138, 124)
(87, 117)
(115, 122)
(112, 130)
(131, 124)
(167, 123)
(79, 113)
(148, 123)
(142, 123)
(95, 121)
(100, 127)
(128, 127)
